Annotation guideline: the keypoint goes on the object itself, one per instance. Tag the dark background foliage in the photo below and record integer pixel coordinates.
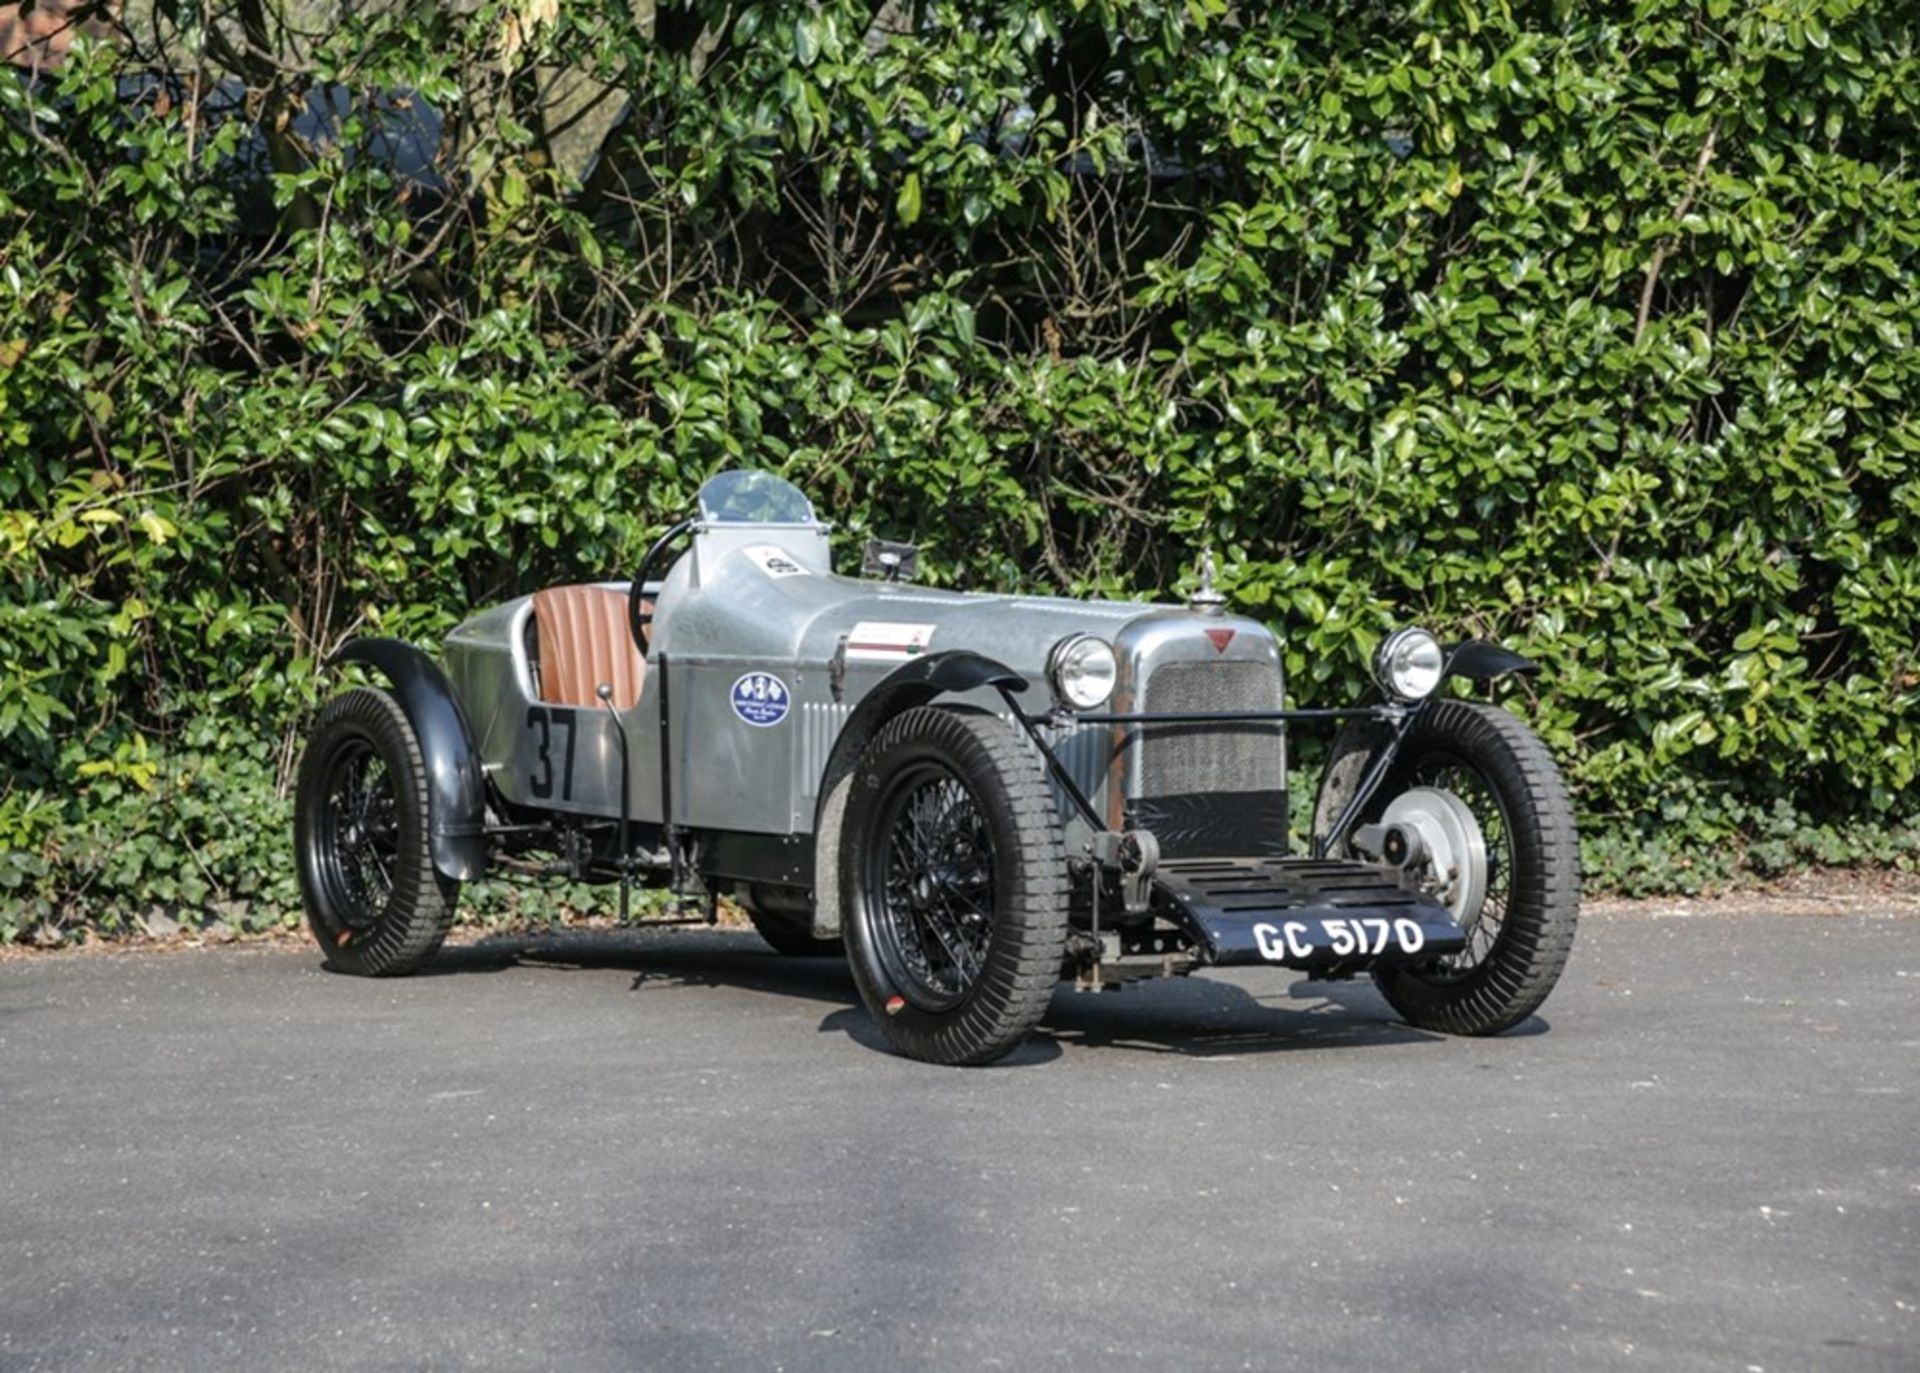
(1588, 328)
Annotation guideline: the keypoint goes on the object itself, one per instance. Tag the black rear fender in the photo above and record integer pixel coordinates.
(456, 787)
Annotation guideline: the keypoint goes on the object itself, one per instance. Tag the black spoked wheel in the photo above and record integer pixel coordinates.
(783, 916)
(1487, 921)
(933, 886)
(957, 886)
(359, 839)
(374, 902)
(1488, 797)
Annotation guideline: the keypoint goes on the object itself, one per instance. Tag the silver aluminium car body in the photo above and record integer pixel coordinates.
(764, 599)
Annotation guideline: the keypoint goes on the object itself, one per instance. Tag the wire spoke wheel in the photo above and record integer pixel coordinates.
(375, 902)
(1464, 782)
(1517, 898)
(359, 834)
(953, 883)
(934, 886)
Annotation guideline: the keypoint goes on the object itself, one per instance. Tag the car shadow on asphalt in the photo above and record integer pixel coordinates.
(671, 957)
(857, 1025)
(1200, 1017)
(1204, 1018)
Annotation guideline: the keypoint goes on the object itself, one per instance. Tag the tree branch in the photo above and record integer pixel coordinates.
(1666, 244)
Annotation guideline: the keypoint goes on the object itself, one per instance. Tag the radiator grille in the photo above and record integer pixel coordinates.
(1177, 760)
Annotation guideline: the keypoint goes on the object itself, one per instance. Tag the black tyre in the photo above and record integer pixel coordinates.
(1521, 929)
(374, 901)
(955, 882)
(784, 918)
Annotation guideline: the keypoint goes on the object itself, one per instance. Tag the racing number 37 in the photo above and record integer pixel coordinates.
(547, 722)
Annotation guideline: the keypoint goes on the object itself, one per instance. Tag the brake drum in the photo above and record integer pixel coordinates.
(1456, 847)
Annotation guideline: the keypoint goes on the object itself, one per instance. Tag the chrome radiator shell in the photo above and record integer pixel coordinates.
(1210, 788)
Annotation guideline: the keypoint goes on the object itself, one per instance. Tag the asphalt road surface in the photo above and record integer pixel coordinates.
(675, 1150)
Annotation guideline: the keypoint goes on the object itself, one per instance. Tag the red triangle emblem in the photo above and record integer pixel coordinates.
(1221, 638)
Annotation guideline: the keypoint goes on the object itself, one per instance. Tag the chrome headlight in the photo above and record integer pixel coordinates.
(1409, 664)
(1082, 669)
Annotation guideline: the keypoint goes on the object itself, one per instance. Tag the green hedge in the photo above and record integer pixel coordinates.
(1584, 328)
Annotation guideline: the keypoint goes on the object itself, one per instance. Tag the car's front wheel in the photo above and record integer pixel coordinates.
(956, 883)
(374, 901)
(1503, 857)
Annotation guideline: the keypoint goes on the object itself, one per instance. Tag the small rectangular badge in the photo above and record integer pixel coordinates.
(882, 641)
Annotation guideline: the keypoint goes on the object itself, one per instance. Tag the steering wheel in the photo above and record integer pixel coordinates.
(640, 619)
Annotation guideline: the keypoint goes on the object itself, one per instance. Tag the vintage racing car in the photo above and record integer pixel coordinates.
(977, 794)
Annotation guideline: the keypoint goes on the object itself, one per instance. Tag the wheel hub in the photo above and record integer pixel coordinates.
(1456, 848)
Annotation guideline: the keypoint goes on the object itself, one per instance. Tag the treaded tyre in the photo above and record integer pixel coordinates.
(784, 919)
(1522, 930)
(375, 903)
(956, 886)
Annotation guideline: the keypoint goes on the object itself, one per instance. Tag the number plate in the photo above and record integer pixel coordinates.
(1301, 942)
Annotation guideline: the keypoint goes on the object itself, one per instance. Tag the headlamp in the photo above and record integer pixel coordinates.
(1409, 664)
(1082, 670)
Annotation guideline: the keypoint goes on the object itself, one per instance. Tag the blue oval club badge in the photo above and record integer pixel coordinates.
(761, 699)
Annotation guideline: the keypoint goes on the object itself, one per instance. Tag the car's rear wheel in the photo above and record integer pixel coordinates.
(1486, 794)
(956, 885)
(784, 918)
(374, 901)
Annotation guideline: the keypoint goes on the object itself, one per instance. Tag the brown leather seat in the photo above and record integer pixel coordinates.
(584, 641)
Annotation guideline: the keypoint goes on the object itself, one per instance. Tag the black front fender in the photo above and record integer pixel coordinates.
(1480, 661)
(1364, 749)
(957, 669)
(912, 684)
(456, 789)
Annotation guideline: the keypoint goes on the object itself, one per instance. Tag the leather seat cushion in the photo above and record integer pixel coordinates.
(584, 641)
